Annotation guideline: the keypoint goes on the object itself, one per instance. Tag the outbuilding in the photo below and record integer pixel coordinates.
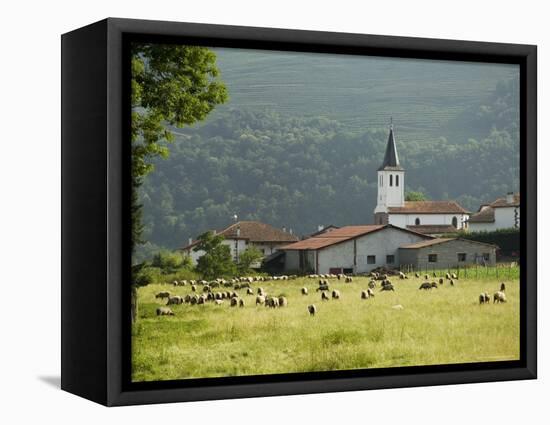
(350, 249)
(441, 253)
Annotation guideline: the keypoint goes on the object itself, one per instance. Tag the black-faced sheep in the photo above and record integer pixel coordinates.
(164, 311)
(176, 299)
(372, 284)
(249, 291)
(502, 287)
(484, 298)
(234, 302)
(364, 295)
(336, 294)
(304, 291)
(434, 285)
(387, 287)
(454, 276)
(312, 309)
(324, 296)
(370, 292)
(416, 275)
(273, 302)
(499, 297)
(426, 286)
(283, 302)
(163, 295)
(441, 281)
(452, 282)
(193, 288)
(241, 302)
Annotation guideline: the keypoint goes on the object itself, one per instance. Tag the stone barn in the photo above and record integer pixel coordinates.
(350, 249)
(442, 253)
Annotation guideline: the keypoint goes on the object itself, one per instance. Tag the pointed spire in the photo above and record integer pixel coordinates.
(391, 160)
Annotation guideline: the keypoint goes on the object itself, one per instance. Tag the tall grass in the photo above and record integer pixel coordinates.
(441, 326)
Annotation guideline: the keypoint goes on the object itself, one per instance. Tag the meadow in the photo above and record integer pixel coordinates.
(439, 326)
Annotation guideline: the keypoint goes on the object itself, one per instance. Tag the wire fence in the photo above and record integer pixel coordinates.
(470, 271)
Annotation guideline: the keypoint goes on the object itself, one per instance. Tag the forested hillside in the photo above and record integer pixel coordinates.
(299, 171)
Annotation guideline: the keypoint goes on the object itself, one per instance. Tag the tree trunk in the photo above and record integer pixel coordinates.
(134, 304)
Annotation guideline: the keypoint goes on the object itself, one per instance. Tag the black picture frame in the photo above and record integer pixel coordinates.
(95, 292)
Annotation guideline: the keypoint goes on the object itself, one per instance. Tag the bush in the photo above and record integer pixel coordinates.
(171, 262)
(143, 274)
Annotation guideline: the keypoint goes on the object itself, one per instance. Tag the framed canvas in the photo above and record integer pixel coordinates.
(252, 212)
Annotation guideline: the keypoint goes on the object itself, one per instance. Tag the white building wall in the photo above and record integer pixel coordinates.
(380, 244)
(404, 220)
(505, 218)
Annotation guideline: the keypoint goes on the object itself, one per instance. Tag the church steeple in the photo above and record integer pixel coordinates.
(391, 181)
(391, 160)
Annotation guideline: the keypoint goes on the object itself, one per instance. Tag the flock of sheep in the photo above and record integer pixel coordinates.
(212, 290)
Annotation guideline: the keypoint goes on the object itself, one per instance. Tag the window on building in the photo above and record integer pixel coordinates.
(391, 179)
(417, 221)
(461, 257)
(371, 259)
(455, 223)
(390, 259)
(380, 181)
(486, 256)
(347, 271)
(397, 179)
(432, 258)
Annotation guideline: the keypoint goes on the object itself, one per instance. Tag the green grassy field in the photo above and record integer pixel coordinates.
(444, 325)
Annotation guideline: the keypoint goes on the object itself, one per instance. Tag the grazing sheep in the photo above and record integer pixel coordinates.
(163, 295)
(249, 291)
(273, 302)
(164, 311)
(187, 298)
(370, 292)
(416, 275)
(499, 297)
(387, 287)
(447, 276)
(349, 279)
(304, 291)
(194, 299)
(176, 299)
(283, 302)
(261, 291)
(234, 302)
(193, 288)
(484, 298)
(364, 295)
(218, 302)
(175, 283)
(202, 299)
(324, 296)
(502, 287)
(434, 285)
(336, 294)
(441, 281)
(454, 276)
(401, 275)
(241, 302)
(206, 288)
(312, 309)
(234, 295)
(323, 287)
(372, 284)
(260, 299)
(426, 277)
(452, 282)
(426, 286)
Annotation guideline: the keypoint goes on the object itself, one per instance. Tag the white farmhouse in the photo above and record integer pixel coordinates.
(243, 234)
(503, 213)
(350, 249)
(428, 217)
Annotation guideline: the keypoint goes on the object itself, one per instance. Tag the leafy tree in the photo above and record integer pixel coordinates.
(248, 257)
(170, 262)
(216, 260)
(415, 196)
(171, 85)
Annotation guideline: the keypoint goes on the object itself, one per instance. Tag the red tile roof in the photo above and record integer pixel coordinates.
(502, 203)
(428, 207)
(485, 215)
(342, 234)
(254, 231)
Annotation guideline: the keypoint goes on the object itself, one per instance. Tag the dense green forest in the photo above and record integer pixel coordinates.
(299, 171)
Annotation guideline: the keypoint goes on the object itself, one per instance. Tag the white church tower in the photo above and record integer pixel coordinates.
(391, 182)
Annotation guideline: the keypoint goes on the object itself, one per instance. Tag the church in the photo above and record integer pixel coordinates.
(428, 217)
